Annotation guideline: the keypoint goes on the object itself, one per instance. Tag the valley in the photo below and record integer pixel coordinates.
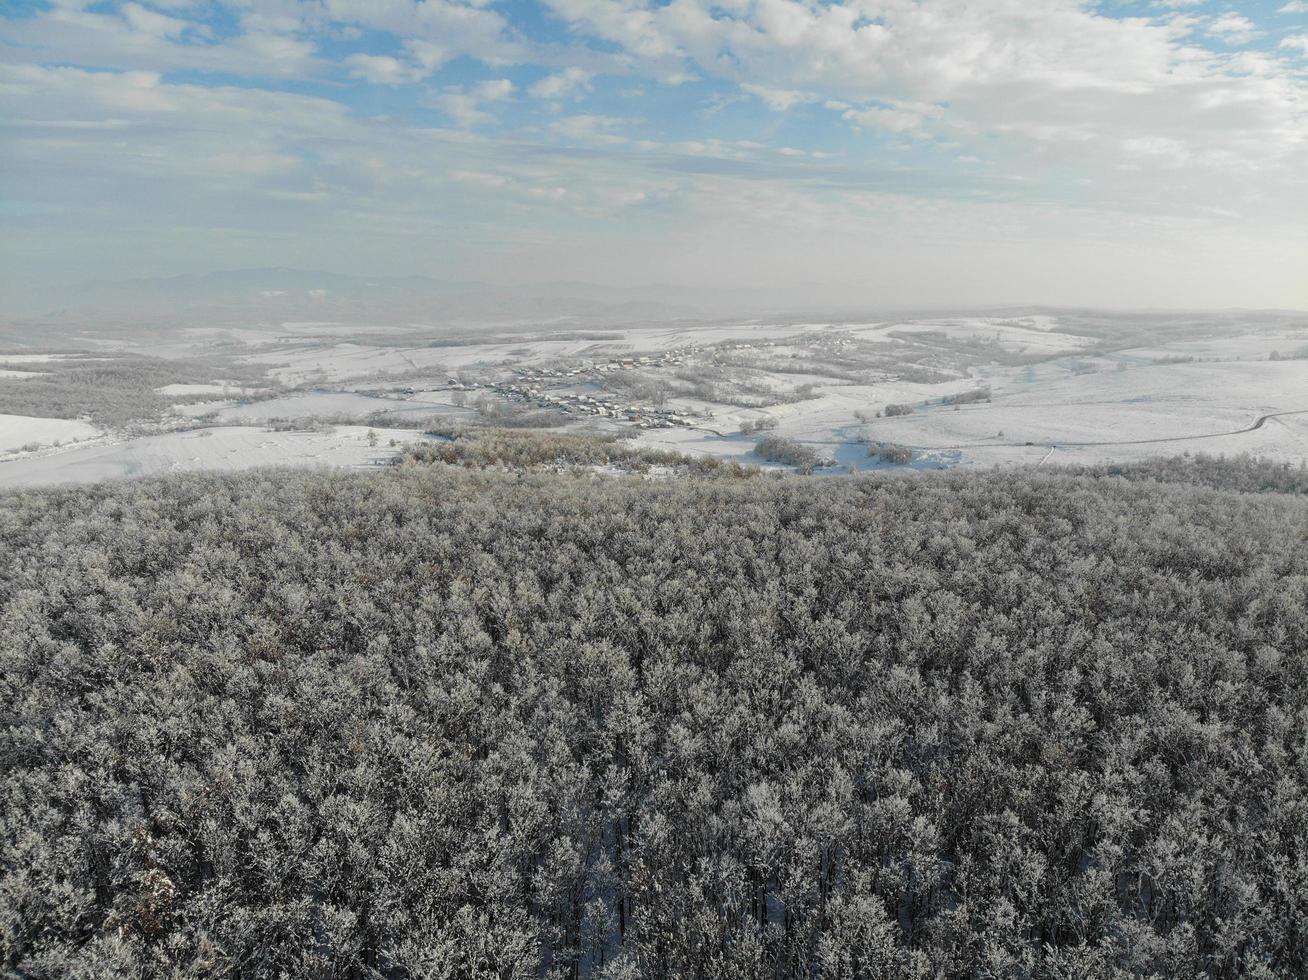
(915, 393)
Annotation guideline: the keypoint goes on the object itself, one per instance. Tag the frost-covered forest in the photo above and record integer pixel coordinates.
(456, 723)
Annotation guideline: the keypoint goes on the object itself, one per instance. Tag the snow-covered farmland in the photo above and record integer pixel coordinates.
(1025, 335)
(18, 431)
(700, 442)
(221, 448)
(1061, 387)
(6, 359)
(194, 389)
(319, 404)
(339, 361)
(324, 405)
(1099, 415)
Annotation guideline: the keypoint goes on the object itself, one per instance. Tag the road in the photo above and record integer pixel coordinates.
(1258, 423)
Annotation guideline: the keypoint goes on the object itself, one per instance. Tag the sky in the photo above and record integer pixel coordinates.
(943, 152)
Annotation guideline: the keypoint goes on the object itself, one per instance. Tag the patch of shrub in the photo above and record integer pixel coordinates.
(967, 397)
(890, 452)
(764, 424)
(779, 449)
(478, 448)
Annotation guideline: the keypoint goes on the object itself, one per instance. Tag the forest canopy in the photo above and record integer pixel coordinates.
(114, 390)
(448, 722)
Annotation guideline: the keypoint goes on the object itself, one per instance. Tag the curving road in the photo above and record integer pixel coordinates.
(1059, 444)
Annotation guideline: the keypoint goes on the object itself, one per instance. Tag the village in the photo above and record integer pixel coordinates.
(579, 389)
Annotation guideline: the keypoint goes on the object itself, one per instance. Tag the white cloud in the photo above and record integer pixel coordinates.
(464, 105)
(562, 84)
(1047, 79)
(71, 131)
(777, 99)
(1152, 128)
(1233, 28)
(1299, 41)
(462, 28)
(135, 37)
(275, 38)
(1295, 7)
(164, 139)
(478, 178)
(382, 69)
(494, 90)
(156, 24)
(430, 56)
(462, 108)
(876, 117)
(1157, 149)
(590, 129)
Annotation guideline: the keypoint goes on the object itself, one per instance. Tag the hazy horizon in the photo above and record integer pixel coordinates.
(886, 153)
(417, 301)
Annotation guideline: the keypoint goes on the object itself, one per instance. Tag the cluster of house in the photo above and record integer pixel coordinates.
(534, 389)
(546, 387)
(577, 388)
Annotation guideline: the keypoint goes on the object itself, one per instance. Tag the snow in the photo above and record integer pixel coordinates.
(220, 448)
(306, 406)
(1021, 335)
(1085, 408)
(183, 389)
(698, 442)
(1151, 410)
(17, 431)
(1079, 401)
(323, 404)
(333, 361)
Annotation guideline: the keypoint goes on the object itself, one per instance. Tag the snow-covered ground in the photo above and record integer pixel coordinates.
(17, 431)
(291, 407)
(1063, 388)
(1132, 403)
(699, 442)
(222, 448)
(338, 361)
(204, 389)
(1022, 335)
(325, 405)
(1103, 415)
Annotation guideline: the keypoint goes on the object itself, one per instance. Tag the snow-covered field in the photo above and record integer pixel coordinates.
(222, 448)
(1068, 388)
(290, 407)
(699, 442)
(334, 362)
(1152, 410)
(184, 389)
(325, 405)
(17, 431)
(1023, 335)
(1251, 347)
(1075, 407)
